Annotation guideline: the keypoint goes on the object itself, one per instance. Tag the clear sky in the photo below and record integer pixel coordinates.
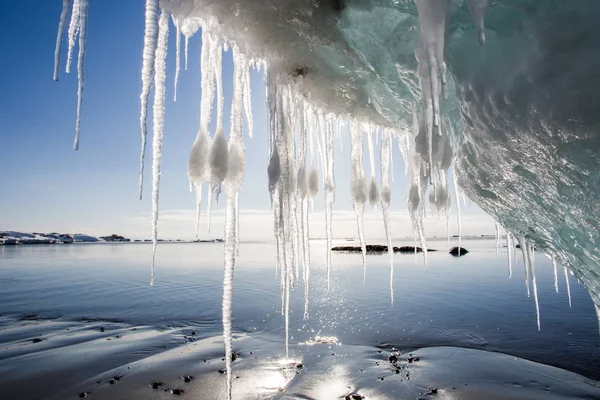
(47, 186)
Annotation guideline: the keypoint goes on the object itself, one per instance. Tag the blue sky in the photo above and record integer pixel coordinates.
(47, 186)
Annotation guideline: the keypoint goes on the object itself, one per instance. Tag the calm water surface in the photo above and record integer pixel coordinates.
(468, 302)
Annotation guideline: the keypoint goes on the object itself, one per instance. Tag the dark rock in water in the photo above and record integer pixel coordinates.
(379, 249)
(458, 251)
(408, 249)
(354, 396)
(37, 340)
(112, 381)
(177, 392)
(413, 359)
(83, 395)
(193, 333)
(117, 377)
(433, 391)
(187, 379)
(221, 371)
(234, 357)
(393, 359)
(156, 385)
(299, 366)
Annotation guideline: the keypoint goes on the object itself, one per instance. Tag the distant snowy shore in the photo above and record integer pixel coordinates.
(16, 238)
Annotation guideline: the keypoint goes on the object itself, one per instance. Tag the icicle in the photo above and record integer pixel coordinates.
(247, 95)
(177, 57)
(555, 273)
(209, 208)
(386, 152)
(358, 187)
(455, 184)
(148, 54)
(64, 14)
(430, 52)
(497, 237)
(236, 154)
(329, 188)
(302, 188)
(186, 51)
(73, 31)
(477, 8)
(306, 255)
(83, 14)
(158, 111)
(228, 287)
(198, 207)
(237, 222)
(523, 246)
(568, 285)
(531, 258)
(509, 247)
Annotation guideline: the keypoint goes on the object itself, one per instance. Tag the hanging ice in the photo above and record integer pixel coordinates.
(82, 29)
(568, 285)
(177, 55)
(64, 14)
(74, 26)
(148, 55)
(358, 186)
(555, 273)
(386, 155)
(158, 123)
(509, 247)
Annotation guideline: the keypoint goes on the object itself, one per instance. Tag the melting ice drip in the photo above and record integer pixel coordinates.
(301, 142)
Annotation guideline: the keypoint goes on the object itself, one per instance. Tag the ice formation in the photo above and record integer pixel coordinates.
(514, 149)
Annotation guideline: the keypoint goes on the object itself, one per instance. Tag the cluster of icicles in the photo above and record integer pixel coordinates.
(301, 143)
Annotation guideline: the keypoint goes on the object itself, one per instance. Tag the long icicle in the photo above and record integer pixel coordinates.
(523, 247)
(531, 257)
(568, 285)
(187, 39)
(64, 14)
(497, 226)
(458, 219)
(235, 175)
(358, 187)
(228, 287)
(83, 14)
(386, 152)
(198, 207)
(177, 57)
(555, 273)
(509, 247)
(158, 123)
(148, 54)
(73, 32)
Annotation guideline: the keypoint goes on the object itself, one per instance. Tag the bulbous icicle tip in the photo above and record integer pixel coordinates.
(373, 193)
